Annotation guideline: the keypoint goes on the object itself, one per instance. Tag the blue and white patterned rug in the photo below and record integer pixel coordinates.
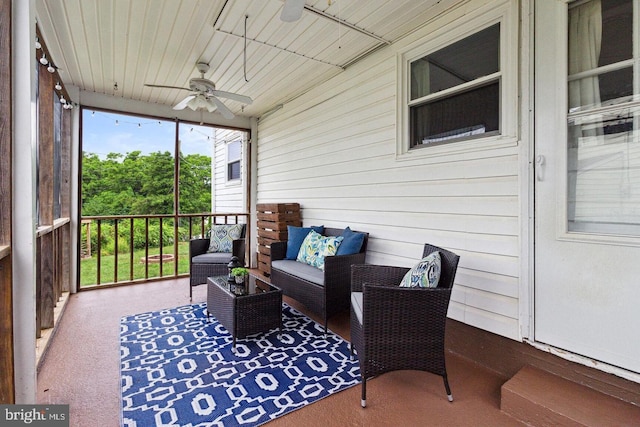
(178, 368)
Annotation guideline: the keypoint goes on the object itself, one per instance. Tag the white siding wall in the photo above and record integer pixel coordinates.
(228, 196)
(333, 150)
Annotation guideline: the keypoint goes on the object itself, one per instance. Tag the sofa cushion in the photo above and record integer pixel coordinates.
(298, 269)
(352, 242)
(316, 246)
(212, 258)
(357, 305)
(425, 274)
(295, 237)
(223, 235)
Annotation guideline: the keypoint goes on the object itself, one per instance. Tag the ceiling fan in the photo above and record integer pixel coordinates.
(205, 95)
(292, 10)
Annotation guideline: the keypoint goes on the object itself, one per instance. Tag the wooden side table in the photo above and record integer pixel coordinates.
(259, 309)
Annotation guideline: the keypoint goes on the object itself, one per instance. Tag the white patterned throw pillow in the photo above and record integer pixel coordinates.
(222, 237)
(425, 274)
(316, 247)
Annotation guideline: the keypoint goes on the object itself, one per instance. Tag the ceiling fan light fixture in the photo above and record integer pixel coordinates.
(211, 107)
(292, 10)
(197, 102)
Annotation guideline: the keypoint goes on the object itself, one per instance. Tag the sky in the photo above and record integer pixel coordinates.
(106, 133)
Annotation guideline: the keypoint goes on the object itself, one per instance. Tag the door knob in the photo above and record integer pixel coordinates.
(540, 162)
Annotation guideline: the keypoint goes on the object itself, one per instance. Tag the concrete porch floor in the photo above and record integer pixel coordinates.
(81, 368)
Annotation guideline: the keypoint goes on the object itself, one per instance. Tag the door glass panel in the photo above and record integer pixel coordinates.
(603, 158)
(604, 173)
(601, 90)
(617, 25)
(600, 35)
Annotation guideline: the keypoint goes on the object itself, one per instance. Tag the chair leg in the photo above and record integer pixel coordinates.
(363, 399)
(351, 350)
(446, 386)
(190, 292)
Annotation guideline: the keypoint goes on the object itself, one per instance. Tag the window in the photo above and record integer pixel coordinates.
(603, 147)
(234, 155)
(455, 91)
(459, 84)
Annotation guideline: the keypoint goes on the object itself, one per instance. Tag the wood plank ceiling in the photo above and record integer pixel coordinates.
(99, 43)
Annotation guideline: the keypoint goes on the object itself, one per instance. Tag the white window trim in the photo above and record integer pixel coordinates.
(505, 13)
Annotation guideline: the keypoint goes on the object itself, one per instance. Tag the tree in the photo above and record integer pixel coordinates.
(136, 184)
(156, 191)
(195, 183)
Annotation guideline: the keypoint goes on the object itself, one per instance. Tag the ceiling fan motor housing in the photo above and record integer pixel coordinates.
(201, 85)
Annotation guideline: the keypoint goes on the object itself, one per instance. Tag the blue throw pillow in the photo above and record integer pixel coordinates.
(295, 237)
(352, 242)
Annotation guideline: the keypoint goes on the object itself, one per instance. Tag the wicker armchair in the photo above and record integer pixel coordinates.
(203, 264)
(394, 328)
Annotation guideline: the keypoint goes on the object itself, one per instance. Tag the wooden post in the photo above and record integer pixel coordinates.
(7, 389)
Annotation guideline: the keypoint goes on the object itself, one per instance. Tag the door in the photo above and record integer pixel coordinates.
(587, 179)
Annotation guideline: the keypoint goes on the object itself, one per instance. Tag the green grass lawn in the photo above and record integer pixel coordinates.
(89, 266)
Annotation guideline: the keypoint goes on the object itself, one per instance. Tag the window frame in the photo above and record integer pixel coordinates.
(505, 14)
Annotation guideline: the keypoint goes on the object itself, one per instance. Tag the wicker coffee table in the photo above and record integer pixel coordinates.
(259, 309)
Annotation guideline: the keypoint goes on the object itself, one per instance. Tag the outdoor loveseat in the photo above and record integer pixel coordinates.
(325, 292)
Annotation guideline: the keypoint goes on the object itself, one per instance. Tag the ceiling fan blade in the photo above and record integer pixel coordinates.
(182, 104)
(231, 95)
(292, 10)
(226, 113)
(167, 87)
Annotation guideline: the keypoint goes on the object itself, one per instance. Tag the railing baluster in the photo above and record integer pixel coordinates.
(115, 250)
(131, 248)
(146, 248)
(176, 224)
(99, 261)
(161, 244)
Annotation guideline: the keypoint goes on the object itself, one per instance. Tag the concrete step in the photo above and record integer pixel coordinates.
(539, 398)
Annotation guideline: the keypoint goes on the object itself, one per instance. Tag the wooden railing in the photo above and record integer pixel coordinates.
(126, 249)
(52, 271)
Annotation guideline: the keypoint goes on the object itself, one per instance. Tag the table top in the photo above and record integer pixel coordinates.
(251, 286)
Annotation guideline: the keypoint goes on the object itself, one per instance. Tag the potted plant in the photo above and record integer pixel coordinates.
(240, 274)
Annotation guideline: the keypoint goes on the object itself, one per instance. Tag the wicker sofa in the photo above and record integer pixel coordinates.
(323, 292)
(203, 264)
